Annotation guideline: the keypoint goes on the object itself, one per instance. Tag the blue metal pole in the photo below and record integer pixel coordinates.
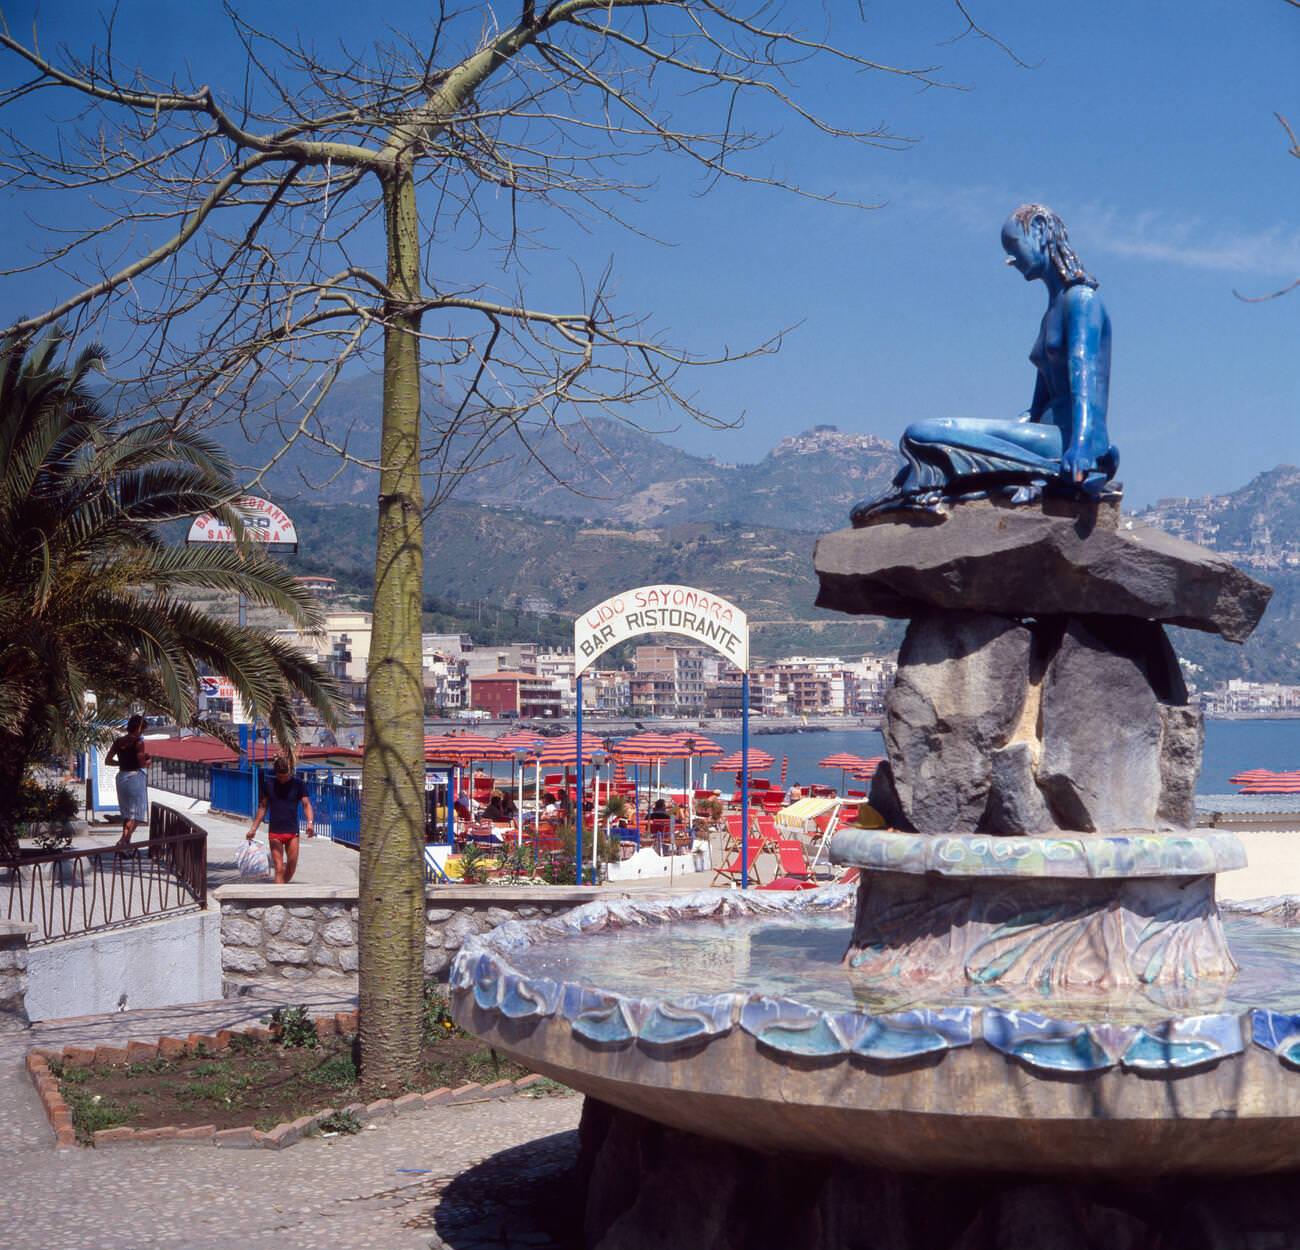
(451, 808)
(744, 780)
(577, 865)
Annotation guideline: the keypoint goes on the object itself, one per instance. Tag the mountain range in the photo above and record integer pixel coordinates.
(559, 517)
(600, 469)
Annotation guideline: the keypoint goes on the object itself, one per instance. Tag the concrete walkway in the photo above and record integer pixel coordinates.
(415, 1181)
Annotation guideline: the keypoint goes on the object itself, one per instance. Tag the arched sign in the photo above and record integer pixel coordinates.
(694, 614)
(263, 523)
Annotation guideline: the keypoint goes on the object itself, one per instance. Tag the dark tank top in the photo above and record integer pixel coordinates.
(128, 753)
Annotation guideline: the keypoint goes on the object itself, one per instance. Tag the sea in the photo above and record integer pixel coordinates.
(1231, 746)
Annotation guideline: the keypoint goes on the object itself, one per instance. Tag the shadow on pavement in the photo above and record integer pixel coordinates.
(526, 1196)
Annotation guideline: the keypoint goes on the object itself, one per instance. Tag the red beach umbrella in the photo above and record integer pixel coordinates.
(867, 768)
(563, 751)
(650, 746)
(845, 761)
(520, 740)
(842, 759)
(759, 761)
(699, 745)
(464, 748)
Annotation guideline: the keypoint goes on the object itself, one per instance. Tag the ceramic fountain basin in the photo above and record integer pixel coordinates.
(765, 1038)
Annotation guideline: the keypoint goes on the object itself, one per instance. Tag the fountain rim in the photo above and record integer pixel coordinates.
(1095, 856)
(784, 1027)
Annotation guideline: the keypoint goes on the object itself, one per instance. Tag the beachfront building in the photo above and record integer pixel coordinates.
(811, 685)
(321, 586)
(515, 694)
(606, 691)
(342, 646)
(557, 668)
(670, 679)
(446, 682)
(723, 696)
(504, 657)
(869, 680)
(1251, 698)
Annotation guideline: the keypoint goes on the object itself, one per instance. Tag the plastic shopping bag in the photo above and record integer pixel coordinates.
(253, 862)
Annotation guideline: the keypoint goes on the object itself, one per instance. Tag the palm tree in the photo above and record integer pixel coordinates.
(91, 593)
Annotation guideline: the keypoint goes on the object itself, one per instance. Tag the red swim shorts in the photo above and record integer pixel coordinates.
(283, 837)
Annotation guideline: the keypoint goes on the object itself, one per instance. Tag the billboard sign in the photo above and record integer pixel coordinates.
(263, 522)
(695, 614)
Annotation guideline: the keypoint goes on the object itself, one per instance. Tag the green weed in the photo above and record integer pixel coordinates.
(338, 1072)
(340, 1122)
(91, 1113)
(293, 1027)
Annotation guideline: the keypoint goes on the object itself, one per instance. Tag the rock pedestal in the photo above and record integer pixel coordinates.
(1037, 694)
(1008, 726)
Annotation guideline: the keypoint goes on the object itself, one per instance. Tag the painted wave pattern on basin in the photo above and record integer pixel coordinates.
(772, 967)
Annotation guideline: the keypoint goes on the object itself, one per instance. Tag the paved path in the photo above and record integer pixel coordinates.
(479, 1175)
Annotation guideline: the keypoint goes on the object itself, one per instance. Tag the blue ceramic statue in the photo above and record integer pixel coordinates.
(1060, 444)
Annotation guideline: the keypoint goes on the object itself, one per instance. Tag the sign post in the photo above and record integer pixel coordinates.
(264, 524)
(696, 614)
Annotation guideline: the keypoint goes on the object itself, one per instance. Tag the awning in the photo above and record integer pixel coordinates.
(800, 815)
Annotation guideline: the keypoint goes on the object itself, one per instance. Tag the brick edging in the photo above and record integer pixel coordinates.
(288, 1133)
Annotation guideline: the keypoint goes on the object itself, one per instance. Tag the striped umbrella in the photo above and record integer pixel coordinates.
(867, 768)
(530, 742)
(842, 759)
(520, 740)
(563, 751)
(845, 761)
(650, 746)
(759, 761)
(464, 748)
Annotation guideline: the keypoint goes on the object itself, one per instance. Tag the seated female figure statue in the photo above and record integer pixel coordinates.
(1061, 443)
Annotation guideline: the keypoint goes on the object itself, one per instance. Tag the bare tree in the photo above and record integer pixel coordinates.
(1292, 150)
(320, 214)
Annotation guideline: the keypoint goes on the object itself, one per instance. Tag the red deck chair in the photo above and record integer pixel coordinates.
(732, 872)
(768, 833)
(788, 883)
(791, 860)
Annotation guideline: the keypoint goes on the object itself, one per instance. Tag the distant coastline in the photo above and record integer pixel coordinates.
(1253, 715)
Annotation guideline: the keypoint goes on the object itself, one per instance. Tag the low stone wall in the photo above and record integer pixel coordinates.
(13, 973)
(300, 931)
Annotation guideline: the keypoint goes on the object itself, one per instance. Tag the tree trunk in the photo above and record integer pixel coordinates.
(391, 938)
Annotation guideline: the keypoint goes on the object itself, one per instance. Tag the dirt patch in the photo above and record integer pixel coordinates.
(262, 1083)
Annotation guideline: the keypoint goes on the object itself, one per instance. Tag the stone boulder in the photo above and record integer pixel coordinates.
(1108, 692)
(1056, 558)
(1000, 726)
(959, 692)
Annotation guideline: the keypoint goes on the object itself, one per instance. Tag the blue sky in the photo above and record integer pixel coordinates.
(1149, 127)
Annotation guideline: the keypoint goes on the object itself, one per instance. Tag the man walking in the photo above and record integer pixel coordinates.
(281, 798)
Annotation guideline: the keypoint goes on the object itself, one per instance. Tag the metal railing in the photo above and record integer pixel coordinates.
(71, 893)
(189, 778)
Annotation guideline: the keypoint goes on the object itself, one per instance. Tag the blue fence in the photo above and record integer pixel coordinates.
(335, 800)
(234, 790)
(336, 805)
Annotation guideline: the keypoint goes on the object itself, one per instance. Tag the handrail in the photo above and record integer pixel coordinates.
(70, 893)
